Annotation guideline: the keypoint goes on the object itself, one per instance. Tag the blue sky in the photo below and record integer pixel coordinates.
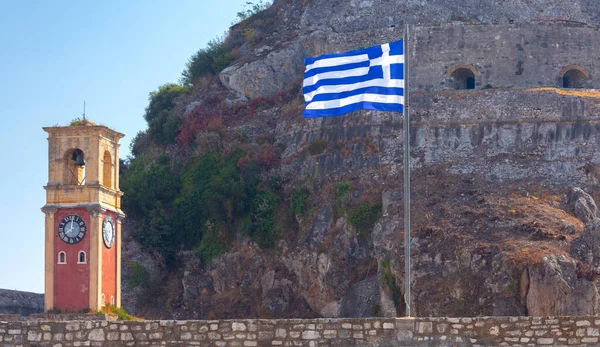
(56, 54)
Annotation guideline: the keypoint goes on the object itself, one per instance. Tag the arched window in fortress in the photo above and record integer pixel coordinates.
(107, 170)
(462, 77)
(74, 167)
(574, 76)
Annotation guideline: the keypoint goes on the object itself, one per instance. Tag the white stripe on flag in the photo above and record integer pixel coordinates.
(348, 87)
(379, 98)
(392, 59)
(361, 71)
(329, 62)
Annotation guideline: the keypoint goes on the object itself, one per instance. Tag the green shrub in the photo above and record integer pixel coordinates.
(342, 189)
(119, 311)
(163, 123)
(211, 246)
(79, 122)
(251, 8)
(364, 216)
(263, 229)
(207, 61)
(299, 199)
(317, 147)
(163, 99)
(150, 190)
(138, 275)
(140, 143)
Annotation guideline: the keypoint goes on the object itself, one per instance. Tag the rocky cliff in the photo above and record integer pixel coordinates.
(249, 210)
(22, 303)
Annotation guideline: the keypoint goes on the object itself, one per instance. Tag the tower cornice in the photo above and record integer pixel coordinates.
(57, 131)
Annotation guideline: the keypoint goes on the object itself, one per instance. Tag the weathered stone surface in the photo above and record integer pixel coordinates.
(267, 76)
(363, 299)
(583, 204)
(351, 16)
(555, 288)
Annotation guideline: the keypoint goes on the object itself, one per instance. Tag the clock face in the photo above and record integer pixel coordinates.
(71, 229)
(108, 232)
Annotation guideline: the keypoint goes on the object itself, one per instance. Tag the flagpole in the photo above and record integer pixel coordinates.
(406, 178)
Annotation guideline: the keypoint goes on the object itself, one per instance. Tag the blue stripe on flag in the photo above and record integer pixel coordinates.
(396, 48)
(364, 79)
(332, 112)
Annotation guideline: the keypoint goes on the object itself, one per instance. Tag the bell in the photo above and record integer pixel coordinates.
(78, 158)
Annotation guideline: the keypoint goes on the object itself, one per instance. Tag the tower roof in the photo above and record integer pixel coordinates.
(82, 125)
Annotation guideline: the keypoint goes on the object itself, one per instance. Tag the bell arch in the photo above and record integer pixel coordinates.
(574, 76)
(107, 170)
(462, 76)
(74, 160)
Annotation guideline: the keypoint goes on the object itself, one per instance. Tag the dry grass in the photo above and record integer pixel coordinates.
(527, 222)
(584, 93)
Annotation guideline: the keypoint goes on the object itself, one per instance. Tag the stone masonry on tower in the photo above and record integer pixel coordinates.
(83, 218)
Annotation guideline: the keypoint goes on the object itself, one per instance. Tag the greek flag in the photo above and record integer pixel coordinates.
(365, 79)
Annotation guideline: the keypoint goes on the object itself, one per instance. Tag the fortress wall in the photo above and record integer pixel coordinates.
(548, 135)
(355, 15)
(480, 331)
(508, 135)
(505, 55)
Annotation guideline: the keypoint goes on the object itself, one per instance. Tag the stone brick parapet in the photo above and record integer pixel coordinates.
(480, 331)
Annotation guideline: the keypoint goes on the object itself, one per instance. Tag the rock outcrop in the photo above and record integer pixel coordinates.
(555, 288)
(267, 76)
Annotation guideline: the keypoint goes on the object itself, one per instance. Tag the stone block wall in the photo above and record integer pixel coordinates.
(505, 55)
(480, 331)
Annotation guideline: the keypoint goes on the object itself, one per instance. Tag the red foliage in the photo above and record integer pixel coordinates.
(269, 158)
(200, 119)
(216, 115)
(243, 162)
(264, 157)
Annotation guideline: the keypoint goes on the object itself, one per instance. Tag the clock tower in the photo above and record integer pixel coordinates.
(83, 218)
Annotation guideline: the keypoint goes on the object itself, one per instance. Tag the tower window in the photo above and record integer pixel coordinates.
(112, 300)
(107, 170)
(62, 258)
(82, 259)
(103, 302)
